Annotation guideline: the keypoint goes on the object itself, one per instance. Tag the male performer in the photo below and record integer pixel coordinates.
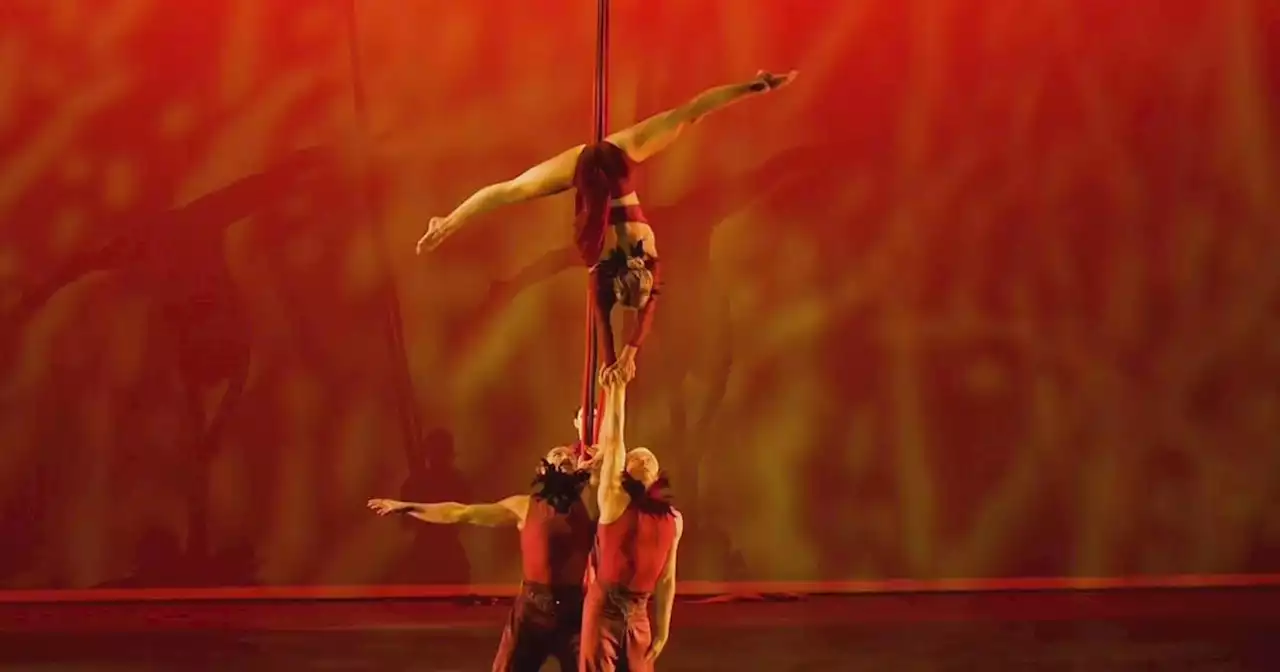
(636, 543)
(556, 534)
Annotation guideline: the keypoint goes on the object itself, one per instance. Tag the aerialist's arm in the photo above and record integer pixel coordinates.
(644, 322)
(625, 361)
(605, 302)
(549, 177)
(664, 595)
(644, 316)
(510, 511)
(612, 453)
(656, 133)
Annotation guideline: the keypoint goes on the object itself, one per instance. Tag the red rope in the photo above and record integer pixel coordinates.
(600, 114)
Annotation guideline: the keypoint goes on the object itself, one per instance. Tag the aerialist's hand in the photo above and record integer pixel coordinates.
(774, 82)
(384, 506)
(625, 367)
(624, 370)
(437, 231)
(610, 378)
(588, 461)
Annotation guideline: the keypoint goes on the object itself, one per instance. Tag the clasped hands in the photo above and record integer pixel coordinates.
(619, 373)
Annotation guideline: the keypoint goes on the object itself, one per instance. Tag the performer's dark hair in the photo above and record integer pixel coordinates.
(600, 167)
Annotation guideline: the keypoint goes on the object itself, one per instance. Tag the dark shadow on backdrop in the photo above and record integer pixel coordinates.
(436, 555)
(176, 258)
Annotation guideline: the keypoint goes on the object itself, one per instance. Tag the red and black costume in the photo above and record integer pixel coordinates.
(603, 173)
(557, 537)
(631, 553)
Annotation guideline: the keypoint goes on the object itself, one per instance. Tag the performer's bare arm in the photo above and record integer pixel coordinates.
(549, 177)
(627, 356)
(612, 451)
(664, 595)
(656, 133)
(509, 511)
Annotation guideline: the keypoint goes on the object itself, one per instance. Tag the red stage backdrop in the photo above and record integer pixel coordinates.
(991, 291)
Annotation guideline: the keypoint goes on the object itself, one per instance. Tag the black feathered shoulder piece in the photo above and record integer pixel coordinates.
(655, 499)
(558, 488)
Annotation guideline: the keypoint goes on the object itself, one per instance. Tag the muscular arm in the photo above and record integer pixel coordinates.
(644, 316)
(644, 322)
(510, 511)
(612, 455)
(664, 594)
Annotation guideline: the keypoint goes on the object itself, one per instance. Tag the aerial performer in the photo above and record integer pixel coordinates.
(637, 537)
(556, 535)
(611, 232)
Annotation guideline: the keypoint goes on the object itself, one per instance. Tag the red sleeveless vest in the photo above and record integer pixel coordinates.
(554, 546)
(633, 549)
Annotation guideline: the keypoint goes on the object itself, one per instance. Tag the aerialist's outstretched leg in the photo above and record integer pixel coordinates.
(639, 142)
(650, 136)
(545, 179)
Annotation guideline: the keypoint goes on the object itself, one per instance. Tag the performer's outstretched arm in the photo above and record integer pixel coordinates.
(510, 511)
(613, 499)
(656, 133)
(664, 595)
(549, 177)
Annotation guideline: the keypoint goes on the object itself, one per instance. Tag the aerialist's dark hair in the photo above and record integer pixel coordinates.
(600, 168)
(559, 488)
(655, 499)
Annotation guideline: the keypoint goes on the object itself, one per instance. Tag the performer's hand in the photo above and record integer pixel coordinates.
(615, 375)
(437, 231)
(625, 367)
(655, 648)
(384, 506)
(625, 370)
(612, 376)
(774, 82)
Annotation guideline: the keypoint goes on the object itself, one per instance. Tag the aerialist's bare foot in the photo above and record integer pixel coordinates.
(772, 82)
(437, 230)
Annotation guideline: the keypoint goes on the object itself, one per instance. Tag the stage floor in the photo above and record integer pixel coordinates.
(1217, 630)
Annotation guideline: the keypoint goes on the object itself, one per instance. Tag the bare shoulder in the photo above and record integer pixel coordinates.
(679, 521)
